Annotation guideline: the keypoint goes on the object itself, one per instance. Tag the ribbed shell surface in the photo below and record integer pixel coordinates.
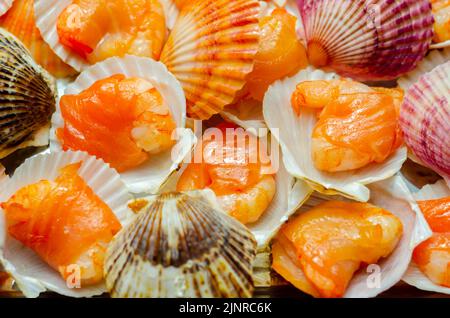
(425, 119)
(27, 95)
(179, 246)
(369, 39)
(210, 50)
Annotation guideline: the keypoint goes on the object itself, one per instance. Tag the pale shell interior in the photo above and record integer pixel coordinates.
(294, 134)
(152, 174)
(33, 276)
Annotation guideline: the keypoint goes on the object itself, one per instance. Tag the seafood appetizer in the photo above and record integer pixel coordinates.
(126, 112)
(58, 214)
(235, 170)
(441, 11)
(236, 166)
(331, 248)
(20, 21)
(85, 32)
(27, 98)
(367, 40)
(430, 269)
(211, 50)
(180, 246)
(337, 134)
(424, 119)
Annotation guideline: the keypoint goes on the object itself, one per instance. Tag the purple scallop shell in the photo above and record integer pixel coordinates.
(369, 40)
(425, 119)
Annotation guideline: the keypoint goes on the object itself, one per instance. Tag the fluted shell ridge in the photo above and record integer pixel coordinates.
(27, 97)
(425, 117)
(367, 39)
(179, 246)
(211, 50)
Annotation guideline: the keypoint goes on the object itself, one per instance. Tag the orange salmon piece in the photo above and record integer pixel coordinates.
(332, 241)
(60, 220)
(433, 255)
(97, 30)
(280, 53)
(100, 120)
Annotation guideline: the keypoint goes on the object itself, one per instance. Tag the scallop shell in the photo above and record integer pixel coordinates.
(149, 176)
(425, 117)
(392, 195)
(293, 133)
(368, 39)
(5, 5)
(37, 277)
(179, 246)
(433, 59)
(210, 50)
(414, 276)
(248, 114)
(20, 21)
(27, 98)
(171, 12)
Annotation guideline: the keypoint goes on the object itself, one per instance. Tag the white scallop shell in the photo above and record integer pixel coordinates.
(293, 133)
(179, 246)
(414, 275)
(46, 14)
(441, 45)
(431, 61)
(32, 275)
(5, 5)
(246, 114)
(153, 173)
(392, 195)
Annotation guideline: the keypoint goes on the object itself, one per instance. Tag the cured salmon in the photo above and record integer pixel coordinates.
(64, 222)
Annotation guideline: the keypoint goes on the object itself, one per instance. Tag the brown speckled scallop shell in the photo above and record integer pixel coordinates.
(27, 97)
(179, 246)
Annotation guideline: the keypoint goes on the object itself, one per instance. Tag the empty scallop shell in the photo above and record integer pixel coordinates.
(5, 5)
(394, 196)
(294, 135)
(210, 50)
(425, 117)
(367, 39)
(27, 98)
(414, 275)
(433, 60)
(179, 246)
(149, 176)
(37, 276)
(246, 113)
(20, 21)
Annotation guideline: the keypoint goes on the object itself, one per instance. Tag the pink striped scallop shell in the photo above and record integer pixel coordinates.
(425, 119)
(367, 40)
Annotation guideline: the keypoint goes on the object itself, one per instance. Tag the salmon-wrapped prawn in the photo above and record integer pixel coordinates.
(121, 120)
(358, 125)
(320, 250)
(96, 30)
(244, 187)
(433, 255)
(64, 222)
